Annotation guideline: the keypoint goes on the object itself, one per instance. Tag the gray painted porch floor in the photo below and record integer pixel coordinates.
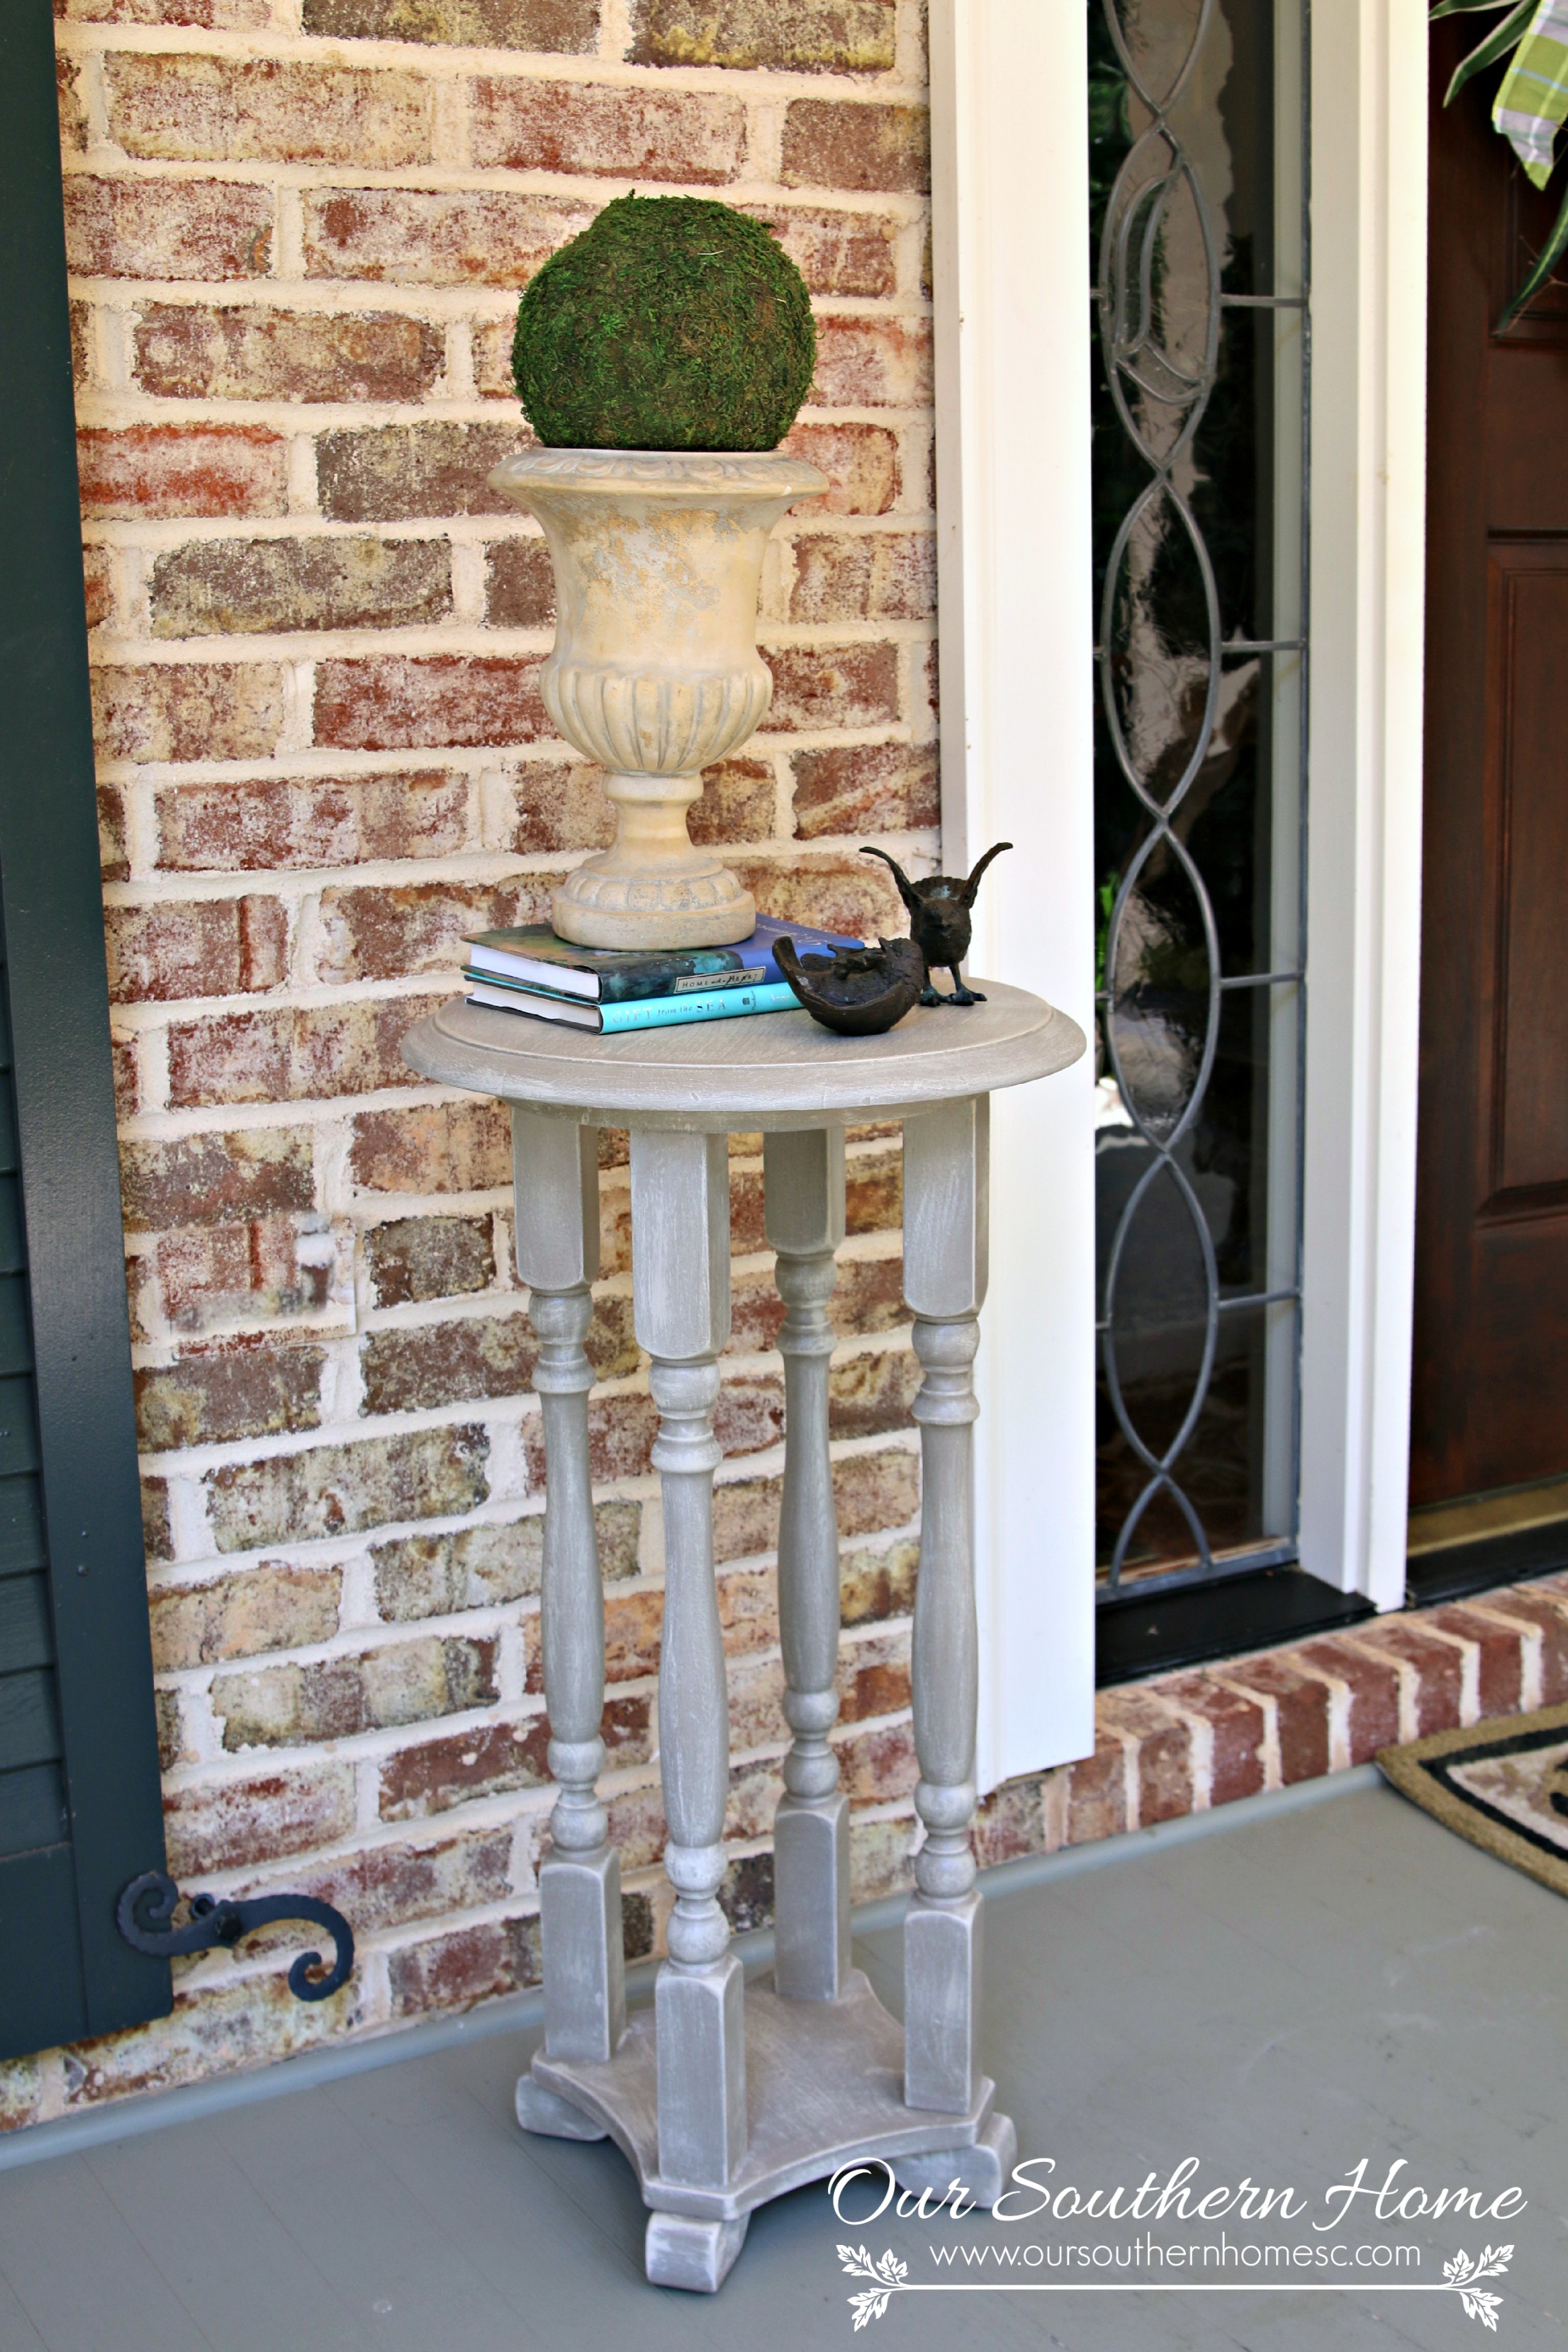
(1280, 1997)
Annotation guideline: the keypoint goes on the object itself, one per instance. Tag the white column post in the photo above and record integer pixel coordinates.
(803, 1185)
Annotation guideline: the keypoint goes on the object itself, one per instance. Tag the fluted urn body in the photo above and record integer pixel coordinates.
(655, 671)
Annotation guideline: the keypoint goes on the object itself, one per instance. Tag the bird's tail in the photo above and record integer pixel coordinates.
(906, 888)
(972, 884)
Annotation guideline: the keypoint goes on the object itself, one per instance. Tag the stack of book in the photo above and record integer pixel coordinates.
(530, 971)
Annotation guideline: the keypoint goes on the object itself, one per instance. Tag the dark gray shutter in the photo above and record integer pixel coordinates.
(79, 1806)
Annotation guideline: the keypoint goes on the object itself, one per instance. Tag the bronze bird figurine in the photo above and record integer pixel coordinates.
(939, 922)
(858, 992)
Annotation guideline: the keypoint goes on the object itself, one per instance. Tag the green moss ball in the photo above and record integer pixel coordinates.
(673, 322)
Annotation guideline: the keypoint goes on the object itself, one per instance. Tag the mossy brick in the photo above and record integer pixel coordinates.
(269, 822)
(270, 586)
(465, 1966)
(205, 471)
(210, 230)
(690, 138)
(277, 1605)
(434, 1148)
(440, 1575)
(293, 1704)
(232, 1824)
(882, 575)
(860, 461)
(417, 1258)
(238, 1391)
(387, 931)
(846, 143)
(866, 788)
(398, 703)
(404, 473)
(187, 710)
(334, 1490)
(196, 947)
(565, 27)
(183, 108)
(878, 1584)
(848, 36)
(833, 686)
(417, 237)
(217, 1177)
(312, 1053)
(489, 1759)
(204, 351)
(871, 1394)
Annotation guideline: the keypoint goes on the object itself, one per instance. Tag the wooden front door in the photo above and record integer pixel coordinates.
(1490, 1387)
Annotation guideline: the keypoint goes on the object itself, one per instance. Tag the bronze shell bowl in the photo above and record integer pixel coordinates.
(858, 992)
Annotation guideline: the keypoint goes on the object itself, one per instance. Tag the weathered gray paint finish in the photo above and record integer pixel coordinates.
(725, 2098)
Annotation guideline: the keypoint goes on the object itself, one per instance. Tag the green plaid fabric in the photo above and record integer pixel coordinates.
(1533, 100)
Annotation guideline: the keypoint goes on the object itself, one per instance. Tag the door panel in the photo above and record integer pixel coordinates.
(1529, 810)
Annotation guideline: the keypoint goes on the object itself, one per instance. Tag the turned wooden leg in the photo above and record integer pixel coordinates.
(555, 1166)
(804, 1181)
(681, 1281)
(944, 1284)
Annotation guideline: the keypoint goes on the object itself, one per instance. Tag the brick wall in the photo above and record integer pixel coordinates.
(298, 229)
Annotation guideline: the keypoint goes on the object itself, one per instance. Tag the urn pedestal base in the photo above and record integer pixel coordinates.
(699, 903)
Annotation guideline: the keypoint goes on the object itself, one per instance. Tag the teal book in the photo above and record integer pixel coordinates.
(534, 956)
(640, 1012)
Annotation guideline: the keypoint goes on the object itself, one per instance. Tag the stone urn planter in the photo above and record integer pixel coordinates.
(655, 670)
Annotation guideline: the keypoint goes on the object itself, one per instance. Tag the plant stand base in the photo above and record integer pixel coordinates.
(608, 902)
(824, 2083)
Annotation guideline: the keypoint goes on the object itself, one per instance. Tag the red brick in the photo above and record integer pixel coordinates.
(872, 1394)
(1500, 1657)
(875, 576)
(738, 803)
(857, 900)
(196, 351)
(387, 1886)
(237, 587)
(207, 1177)
(471, 1964)
(1097, 1793)
(333, 1490)
(189, 109)
(1302, 1712)
(767, 36)
(872, 363)
(1237, 1726)
(155, 1533)
(870, 1492)
(229, 1824)
(861, 462)
(182, 469)
(519, 588)
(196, 947)
(1010, 1823)
(1163, 1769)
(408, 236)
(874, 1585)
(188, 710)
(489, 1760)
(408, 1369)
(208, 1275)
(621, 1430)
(413, 1259)
(440, 1147)
(633, 1624)
(224, 15)
(68, 92)
(874, 1191)
(208, 229)
(273, 822)
(567, 27)
(242, 1390)
(878, 1767)
(396, 473)
(127, 1081)
(397, 703)
(684, 136)
(749, 1415)
(833, 686)
(313, 1053)
(873, 1676)
(1374, 1687)
(97, 584)
(866, 788)
(1532, 1607)
(835, 252)
(390, 931)
(833, 143)
(113, 862)
(275, 1606)
(1438, 1664)
(291, 1705)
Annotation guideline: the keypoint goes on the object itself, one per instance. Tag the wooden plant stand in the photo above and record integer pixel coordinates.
(722, 2095)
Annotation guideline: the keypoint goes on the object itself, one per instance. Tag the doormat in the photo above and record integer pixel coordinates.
(1503, 1785)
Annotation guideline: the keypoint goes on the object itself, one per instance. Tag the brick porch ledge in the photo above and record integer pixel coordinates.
(1179, 1743)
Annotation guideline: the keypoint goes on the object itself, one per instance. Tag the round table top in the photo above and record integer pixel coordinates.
(762, 1070)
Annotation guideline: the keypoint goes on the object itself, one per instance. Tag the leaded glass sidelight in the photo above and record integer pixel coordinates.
(1199, 215)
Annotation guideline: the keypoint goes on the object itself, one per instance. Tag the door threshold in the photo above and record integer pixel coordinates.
(1454, 1571)
(1196, 1622)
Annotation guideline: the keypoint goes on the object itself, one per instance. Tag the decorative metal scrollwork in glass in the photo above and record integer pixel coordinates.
(1197, 148)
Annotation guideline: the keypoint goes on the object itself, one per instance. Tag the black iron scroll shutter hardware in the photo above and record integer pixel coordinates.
(146, 1909)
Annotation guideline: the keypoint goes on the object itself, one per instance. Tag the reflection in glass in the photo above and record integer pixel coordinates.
(1198, 220)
